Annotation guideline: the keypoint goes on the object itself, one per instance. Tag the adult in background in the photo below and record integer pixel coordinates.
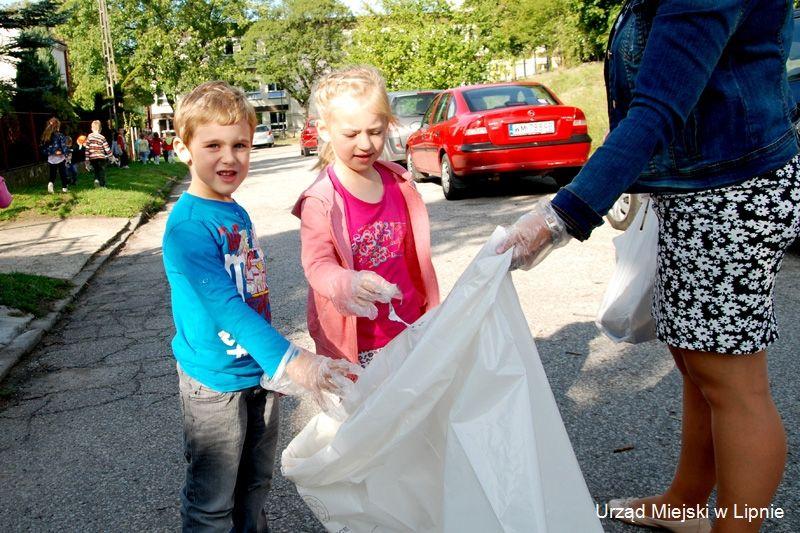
(699, 112)
(97, 152)
(54, 146)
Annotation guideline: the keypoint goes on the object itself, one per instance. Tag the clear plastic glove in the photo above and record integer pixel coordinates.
(366, 288)
(322, 377)
(534, 235)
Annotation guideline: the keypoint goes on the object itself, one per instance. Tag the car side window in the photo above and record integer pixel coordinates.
(429, 114)
(441, 108)
(451, 109)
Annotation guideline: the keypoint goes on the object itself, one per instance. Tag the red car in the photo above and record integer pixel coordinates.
(308, 137)
(500, 129)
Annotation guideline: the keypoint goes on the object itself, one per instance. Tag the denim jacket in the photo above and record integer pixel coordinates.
(697, 99)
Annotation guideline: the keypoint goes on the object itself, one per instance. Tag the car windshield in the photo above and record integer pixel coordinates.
(262, 128)
(793, 63)
(488, 98)
(413, 105)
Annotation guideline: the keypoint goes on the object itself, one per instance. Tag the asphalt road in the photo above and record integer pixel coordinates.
(90, 438)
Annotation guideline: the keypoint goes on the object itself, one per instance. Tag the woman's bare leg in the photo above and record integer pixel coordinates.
(695, 474)
(749, 439)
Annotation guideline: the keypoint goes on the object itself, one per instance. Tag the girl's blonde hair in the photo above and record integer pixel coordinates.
(363, 82)
(53, 125)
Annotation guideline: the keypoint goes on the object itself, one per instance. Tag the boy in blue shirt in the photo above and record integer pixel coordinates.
(224, 343)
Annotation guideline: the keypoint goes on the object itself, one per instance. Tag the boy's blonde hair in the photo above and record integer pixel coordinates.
(364, 82)
(212, 101)
(96, 126)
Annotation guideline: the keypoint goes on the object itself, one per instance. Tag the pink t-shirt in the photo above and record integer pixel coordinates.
(381, 241)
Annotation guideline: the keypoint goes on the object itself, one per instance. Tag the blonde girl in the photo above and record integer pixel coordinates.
(54, 146)
(364, 228)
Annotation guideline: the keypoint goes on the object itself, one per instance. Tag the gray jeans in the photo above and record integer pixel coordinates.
(229, 445)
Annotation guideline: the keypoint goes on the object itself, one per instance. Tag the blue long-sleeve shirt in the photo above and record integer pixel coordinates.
(220, 298)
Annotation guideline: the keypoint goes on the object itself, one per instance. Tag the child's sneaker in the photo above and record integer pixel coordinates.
(96, 183)
(63, 189)
(50, 188)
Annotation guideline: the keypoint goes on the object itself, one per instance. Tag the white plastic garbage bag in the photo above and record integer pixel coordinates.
(453, 428)
(624, 315)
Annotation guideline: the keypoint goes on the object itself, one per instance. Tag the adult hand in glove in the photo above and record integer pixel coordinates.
(535, 235)
(315, 374)
(366, 288)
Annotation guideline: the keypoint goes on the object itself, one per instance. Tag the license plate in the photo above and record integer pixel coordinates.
(532, 128)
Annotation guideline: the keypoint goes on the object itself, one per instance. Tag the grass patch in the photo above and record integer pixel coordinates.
(128, 192)
(32, 294)
(582, 86)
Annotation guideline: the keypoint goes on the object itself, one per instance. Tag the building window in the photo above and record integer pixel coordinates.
(277, 120)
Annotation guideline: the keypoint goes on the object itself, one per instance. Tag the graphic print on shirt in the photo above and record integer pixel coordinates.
(376, 243)
(247, 266)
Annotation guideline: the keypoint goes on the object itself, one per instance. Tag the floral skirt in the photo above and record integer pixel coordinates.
(365, 358)
(719, 252)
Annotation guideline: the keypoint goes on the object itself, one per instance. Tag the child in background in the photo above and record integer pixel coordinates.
(5, 196)
(79, 153)
(54, 145)
(143, 148)
(364, 228)
(72, 169)
(155, 147)
(168, 138)
(97, 152)
(123, 148)
(224, 342)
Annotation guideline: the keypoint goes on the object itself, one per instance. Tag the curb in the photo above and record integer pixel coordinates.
(27, 340)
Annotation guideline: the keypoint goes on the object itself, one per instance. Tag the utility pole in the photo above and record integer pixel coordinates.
(108, 57)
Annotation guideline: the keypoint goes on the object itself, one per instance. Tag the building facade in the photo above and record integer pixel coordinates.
(273, 106)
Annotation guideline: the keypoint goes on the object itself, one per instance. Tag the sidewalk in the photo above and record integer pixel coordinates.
(71, 249)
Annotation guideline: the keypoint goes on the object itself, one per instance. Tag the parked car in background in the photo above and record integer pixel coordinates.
(409, 107)
(498, 130)
(263, 136)
(308, 138)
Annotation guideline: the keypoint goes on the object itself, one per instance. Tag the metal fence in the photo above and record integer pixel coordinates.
(20, 137)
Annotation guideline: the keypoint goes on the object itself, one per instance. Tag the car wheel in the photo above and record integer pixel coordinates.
(269, 145)
(451, 185)
(410, 166)
(304, 151)
(623, 211)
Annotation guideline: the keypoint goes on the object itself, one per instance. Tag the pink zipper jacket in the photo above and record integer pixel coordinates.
(5, 196)
(328, 260)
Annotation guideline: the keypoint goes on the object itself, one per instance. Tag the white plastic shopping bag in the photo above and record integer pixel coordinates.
(453, 428)
(624, 315)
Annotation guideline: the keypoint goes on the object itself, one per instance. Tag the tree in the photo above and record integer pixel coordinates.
(294, 43)
(594, 20)
(420, 44)
(38, 85)
(576, 30)
(160, 46)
